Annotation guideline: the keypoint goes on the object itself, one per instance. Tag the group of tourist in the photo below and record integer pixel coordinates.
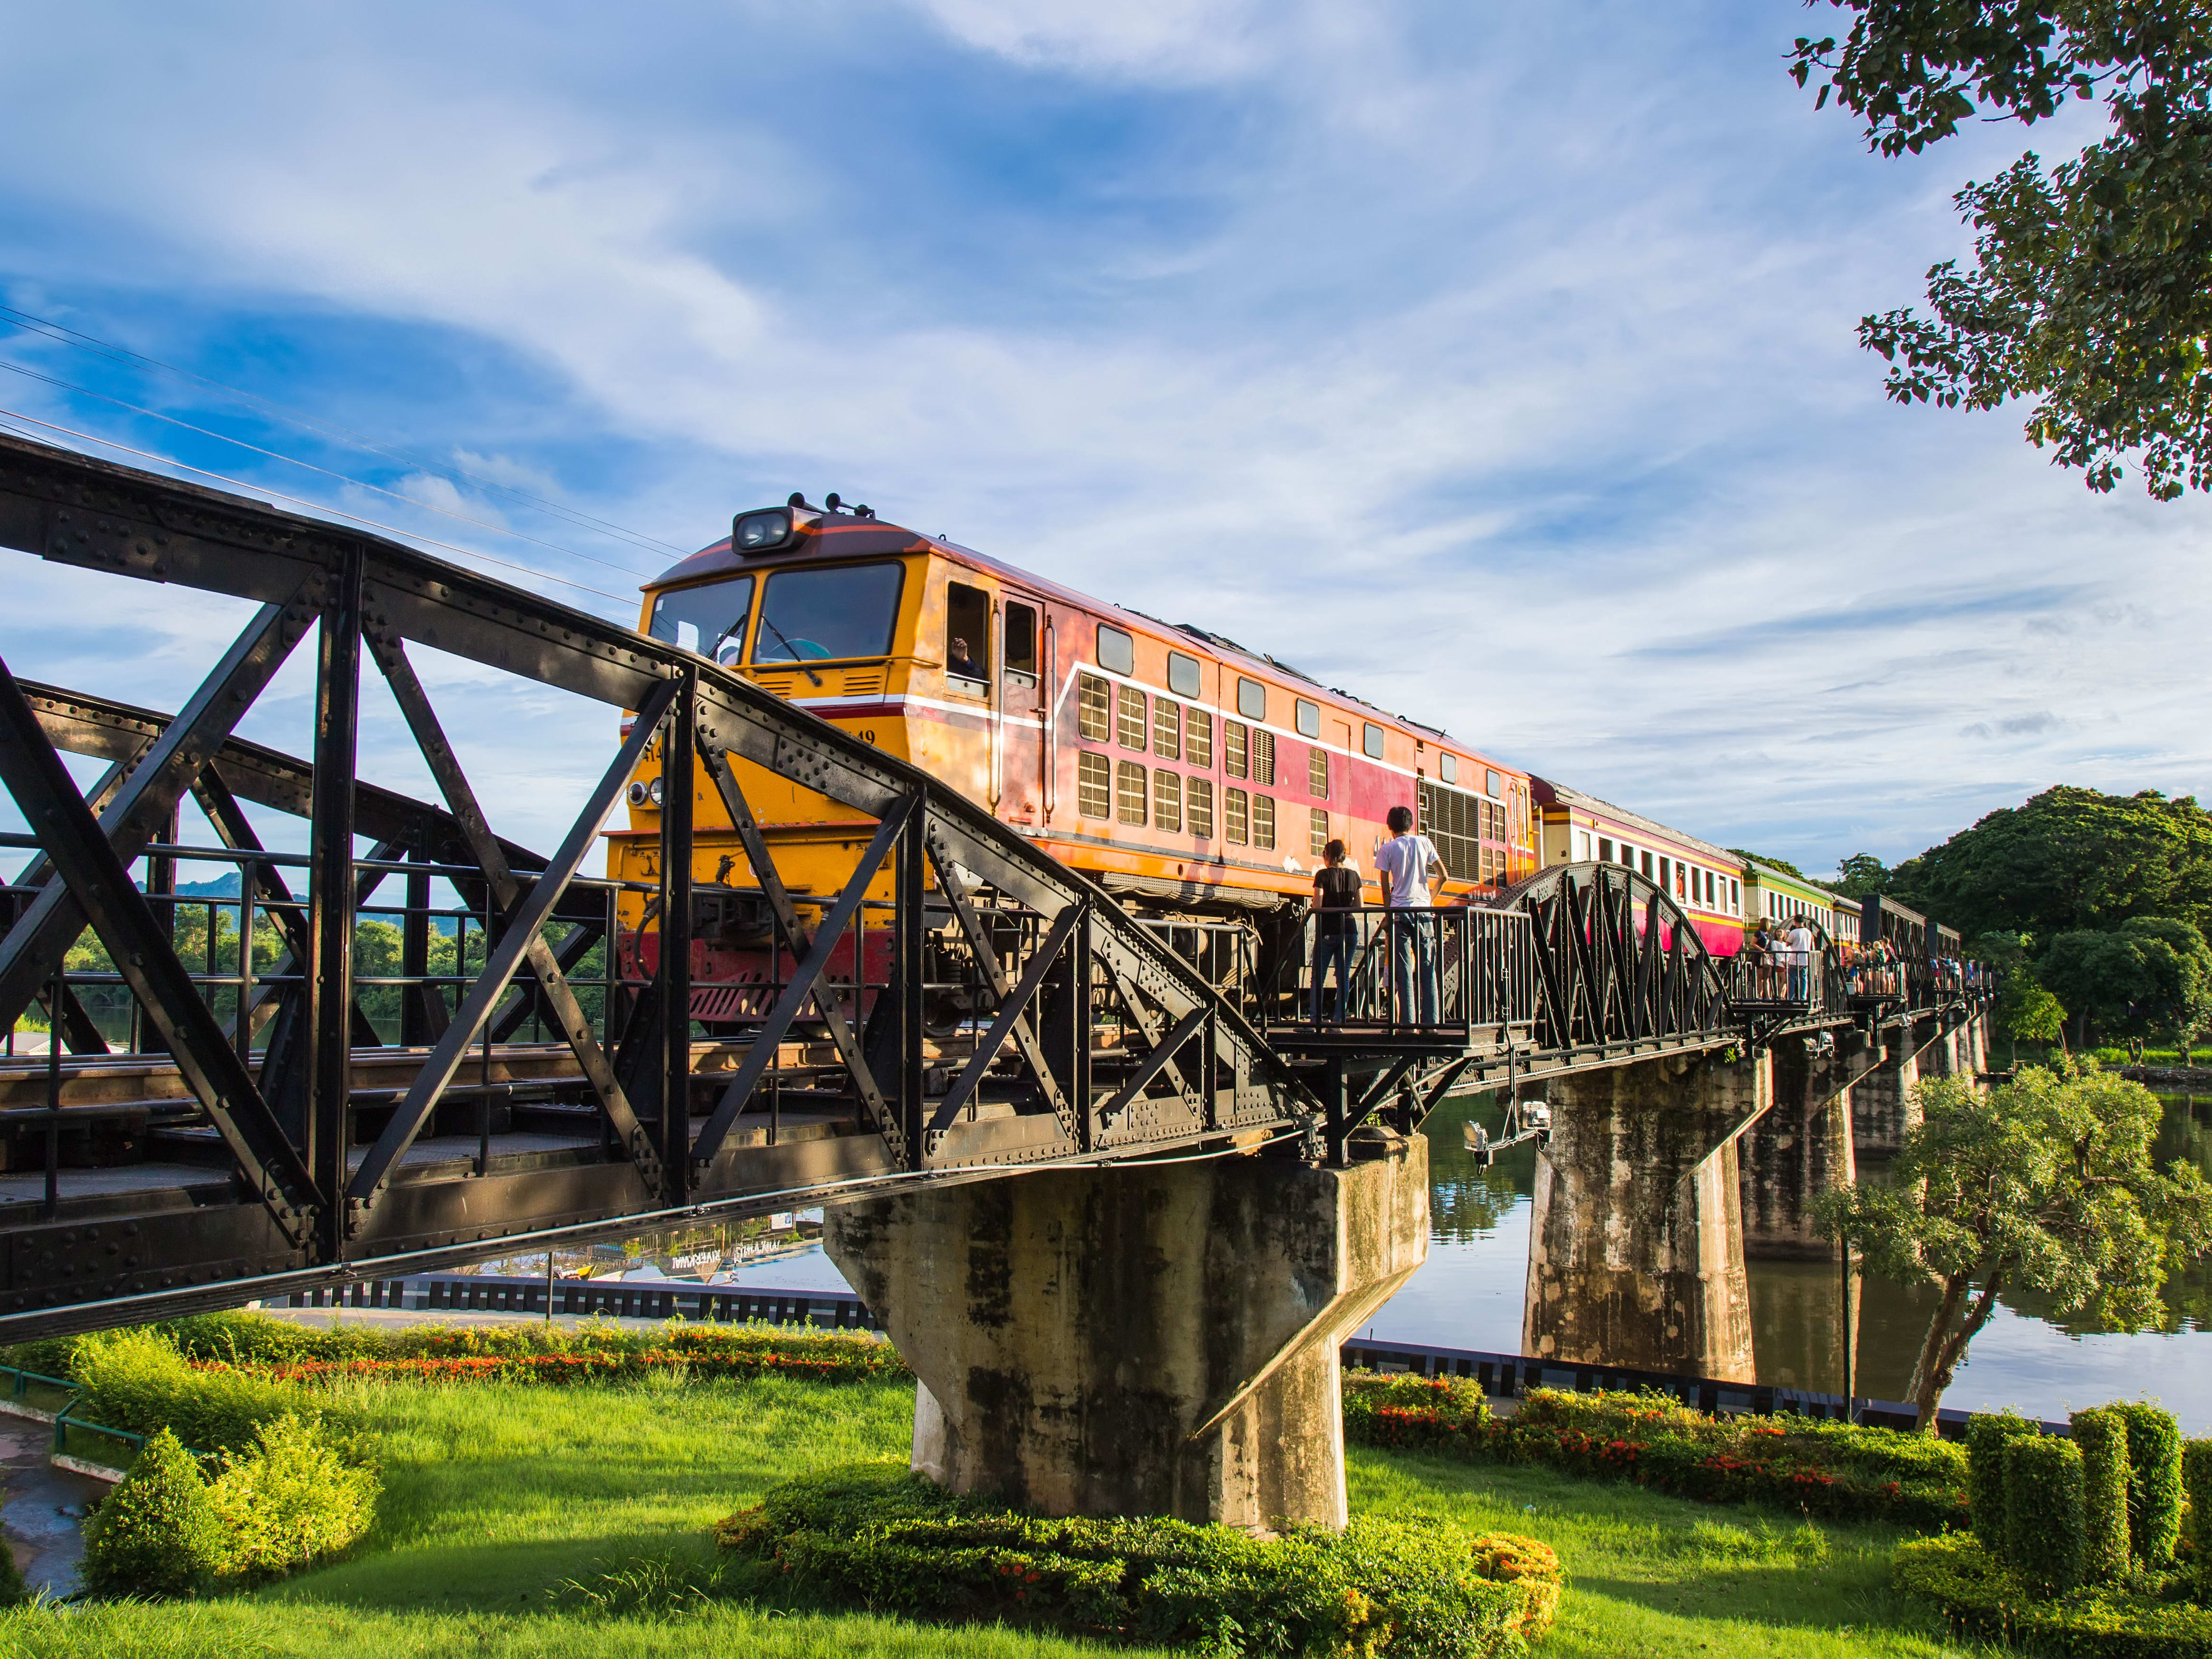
(1778, 961)
(1411, 873)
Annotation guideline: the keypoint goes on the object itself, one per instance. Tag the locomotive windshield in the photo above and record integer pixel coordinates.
(710, 619)
(809, 615)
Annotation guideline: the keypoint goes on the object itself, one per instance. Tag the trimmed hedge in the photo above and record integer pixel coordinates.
(1983, 1598)
(2196, 1476)
(157, 1533)
(1987, 1434)
(1833, 1469)
(2154, 1482)
(290, 1501)
(2043, 1512)
(877, 1536)
(2102, 1435)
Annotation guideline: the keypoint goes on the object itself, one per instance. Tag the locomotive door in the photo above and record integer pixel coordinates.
(1022, 694)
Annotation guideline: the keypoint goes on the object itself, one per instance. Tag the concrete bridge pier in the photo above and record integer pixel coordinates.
(1799, 1150)
(1882, 1107)
(1636, 1247)
(1145, 1340)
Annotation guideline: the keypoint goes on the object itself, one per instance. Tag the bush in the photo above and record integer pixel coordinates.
(2102, 1435)
(1982, 1599)
(2043, 1511)
(291, 1500)
(156, 1534)
(1833, 1469)
(893, 1542)
(14, 1592)
(2197, 1475)
(1986, 1437)
(2154, 1483)
(137, 1380)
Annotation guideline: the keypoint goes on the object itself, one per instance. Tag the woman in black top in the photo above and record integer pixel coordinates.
(1335, 902)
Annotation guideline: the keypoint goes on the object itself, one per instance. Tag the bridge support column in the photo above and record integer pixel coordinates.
(1636, 1250)
(1798, 1150)
(1146, 1339)
(1882, 1107)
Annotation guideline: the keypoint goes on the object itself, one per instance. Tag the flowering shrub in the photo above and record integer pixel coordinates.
(1819, 1468)
(879, 1537)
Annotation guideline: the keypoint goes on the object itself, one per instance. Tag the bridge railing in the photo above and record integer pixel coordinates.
(1466, 973)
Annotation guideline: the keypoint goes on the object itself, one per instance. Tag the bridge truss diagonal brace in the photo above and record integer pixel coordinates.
(502, 962)
(805, 984)
(99, 884)
(1021, 1026)
(1013, 1019)
(506, 892)
(715, 757)
(141, 808)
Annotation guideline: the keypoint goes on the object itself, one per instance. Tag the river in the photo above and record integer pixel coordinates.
(1468, 1295)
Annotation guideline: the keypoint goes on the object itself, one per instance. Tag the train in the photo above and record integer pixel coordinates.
(1191, 776)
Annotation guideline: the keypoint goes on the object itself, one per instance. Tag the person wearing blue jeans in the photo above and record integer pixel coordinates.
(1335, 910)
(1407, 864)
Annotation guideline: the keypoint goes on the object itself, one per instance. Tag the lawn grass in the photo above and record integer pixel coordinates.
(497, 1495)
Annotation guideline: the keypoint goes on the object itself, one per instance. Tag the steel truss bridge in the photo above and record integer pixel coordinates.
(251, 1131)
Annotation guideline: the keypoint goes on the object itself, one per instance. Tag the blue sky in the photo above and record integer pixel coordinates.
(1496, 366)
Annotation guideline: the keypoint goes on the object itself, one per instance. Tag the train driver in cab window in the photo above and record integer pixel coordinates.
(960, 663)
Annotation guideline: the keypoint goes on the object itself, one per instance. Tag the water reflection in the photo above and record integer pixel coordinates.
(1469, 1294)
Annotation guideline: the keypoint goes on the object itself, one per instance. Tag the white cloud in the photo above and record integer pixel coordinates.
(1504, 377)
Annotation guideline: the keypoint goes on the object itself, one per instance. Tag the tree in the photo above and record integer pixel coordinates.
(2091, 291)
(1862, 876)
(2068, 859)
(2045, 1182)
(2026, 1010)
(2149, 976)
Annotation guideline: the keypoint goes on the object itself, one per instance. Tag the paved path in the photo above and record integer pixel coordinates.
(46, 1507)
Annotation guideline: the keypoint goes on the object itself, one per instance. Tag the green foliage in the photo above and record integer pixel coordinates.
(290, 1500)
(2197, 1478)
(893, 1542)
(2027, 1012)
(2045, 1182)
(2148, 977)
(2044, 1540)
(157, 1533)
(2102, 1435)
(2069, 858)
(2092, 285)
(2154, 1482)
(14, 1592)
(136, 1379)
(1983, 1599)
(1862, 876)
(1810, 1467)
(1987, 1435)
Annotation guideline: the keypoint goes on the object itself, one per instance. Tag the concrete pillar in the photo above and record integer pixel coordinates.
(1146, 1339)
(1798, 1150)
(1636, 1246)
(1882, 1107)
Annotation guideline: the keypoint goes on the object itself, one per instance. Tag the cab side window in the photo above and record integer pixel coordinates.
(1021, 643)
(967, 634)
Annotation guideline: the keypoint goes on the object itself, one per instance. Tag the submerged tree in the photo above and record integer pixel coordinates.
(2045, 1183)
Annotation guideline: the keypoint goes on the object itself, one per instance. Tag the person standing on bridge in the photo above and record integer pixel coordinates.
(1336, 906)
(1800, 942)
(1408, 862)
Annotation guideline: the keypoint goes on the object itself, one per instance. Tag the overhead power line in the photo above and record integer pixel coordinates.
(29, 323)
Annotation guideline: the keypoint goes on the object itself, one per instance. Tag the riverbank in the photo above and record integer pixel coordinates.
(522, 1519)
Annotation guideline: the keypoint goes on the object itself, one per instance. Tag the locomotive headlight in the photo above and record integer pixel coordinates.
(757, 532)
(637, 792)
(652, 791)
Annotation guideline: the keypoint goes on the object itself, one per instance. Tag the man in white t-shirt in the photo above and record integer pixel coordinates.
(1799, 941)
(1407, 863)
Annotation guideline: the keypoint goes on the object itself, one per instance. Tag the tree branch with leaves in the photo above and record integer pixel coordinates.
(2091, 286)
